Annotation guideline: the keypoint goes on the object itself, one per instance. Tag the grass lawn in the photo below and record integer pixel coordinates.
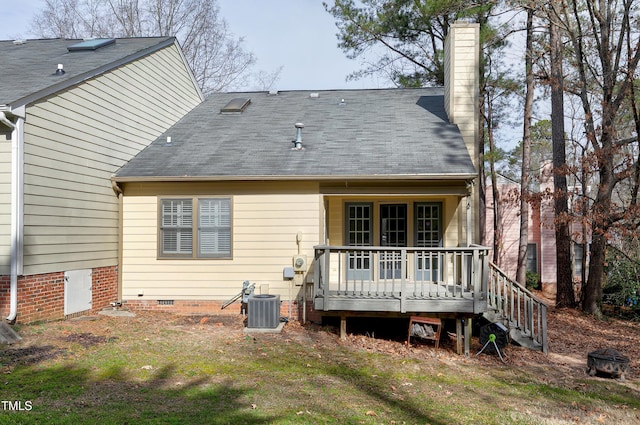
(165, 369)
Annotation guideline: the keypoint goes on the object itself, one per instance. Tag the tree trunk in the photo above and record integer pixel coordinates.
(521, 273)
(591, 295)
(565, 296)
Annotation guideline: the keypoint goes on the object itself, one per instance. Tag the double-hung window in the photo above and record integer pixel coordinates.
(195, 228)
(214, 228)
(176, 227)
(532, 257)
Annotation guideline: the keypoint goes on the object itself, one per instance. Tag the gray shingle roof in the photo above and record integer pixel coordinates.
(375, 133)
(27, 70)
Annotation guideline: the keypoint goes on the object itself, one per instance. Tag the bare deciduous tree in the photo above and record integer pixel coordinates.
(605, 52)
(217, 58)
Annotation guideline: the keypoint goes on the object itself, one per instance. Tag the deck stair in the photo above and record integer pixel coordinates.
(518, 309)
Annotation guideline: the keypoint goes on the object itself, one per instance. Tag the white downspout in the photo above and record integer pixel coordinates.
(17, 166)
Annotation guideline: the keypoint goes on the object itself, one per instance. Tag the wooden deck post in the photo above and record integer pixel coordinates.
(459, 336)
(463, 334)
(343, 326)
(468, 330)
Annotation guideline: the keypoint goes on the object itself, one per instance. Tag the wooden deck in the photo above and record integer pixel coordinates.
(401, 280)
(457, 283)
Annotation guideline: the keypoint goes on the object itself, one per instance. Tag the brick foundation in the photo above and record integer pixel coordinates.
(5, 285)
(41, 296)
(104, 282)
(205, 307)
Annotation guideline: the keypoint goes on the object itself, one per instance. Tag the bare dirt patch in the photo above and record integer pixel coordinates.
(26, 356)
(87, 339)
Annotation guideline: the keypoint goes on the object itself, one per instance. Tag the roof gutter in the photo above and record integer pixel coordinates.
(396, 177)
(17, 202)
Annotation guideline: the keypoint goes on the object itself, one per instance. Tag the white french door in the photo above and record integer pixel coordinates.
(393, 231)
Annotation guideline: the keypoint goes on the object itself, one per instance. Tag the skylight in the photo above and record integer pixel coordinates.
(92, 44)
(236, 106)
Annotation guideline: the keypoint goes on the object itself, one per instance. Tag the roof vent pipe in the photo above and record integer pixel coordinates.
(60, 70)
(297, 144)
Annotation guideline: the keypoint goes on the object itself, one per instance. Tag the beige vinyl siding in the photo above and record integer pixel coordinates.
(266, 219)
(462, 56)
(5, 203)
(75, 141)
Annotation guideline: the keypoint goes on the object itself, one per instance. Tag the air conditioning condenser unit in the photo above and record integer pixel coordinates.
(263, 311)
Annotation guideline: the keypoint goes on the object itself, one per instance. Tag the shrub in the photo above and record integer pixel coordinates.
(621, 287)
(533, 280)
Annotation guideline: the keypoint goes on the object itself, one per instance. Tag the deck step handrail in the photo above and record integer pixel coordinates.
(517, 307)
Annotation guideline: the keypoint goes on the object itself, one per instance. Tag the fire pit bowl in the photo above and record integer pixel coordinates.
(607, 361)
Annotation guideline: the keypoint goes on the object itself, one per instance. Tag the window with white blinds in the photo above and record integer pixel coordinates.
(177, 226)
(214, 227)
(211, 227)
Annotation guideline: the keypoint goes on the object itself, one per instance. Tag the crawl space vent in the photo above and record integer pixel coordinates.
(165, 302)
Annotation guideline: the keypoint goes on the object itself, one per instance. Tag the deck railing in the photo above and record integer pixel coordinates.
(407, 272)
(516, 305)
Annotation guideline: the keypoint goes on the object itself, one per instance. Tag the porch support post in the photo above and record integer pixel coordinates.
(403, 281)
(467, 335)
(469, 218)
(459, 336)
(326, 283)
(467, 330)
(343, 326)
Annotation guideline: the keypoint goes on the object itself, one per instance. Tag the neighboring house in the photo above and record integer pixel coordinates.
(541, 246)
(508, 254)
(72, 112)
(369, 195)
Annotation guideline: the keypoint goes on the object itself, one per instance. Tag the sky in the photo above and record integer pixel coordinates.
(297, 35)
